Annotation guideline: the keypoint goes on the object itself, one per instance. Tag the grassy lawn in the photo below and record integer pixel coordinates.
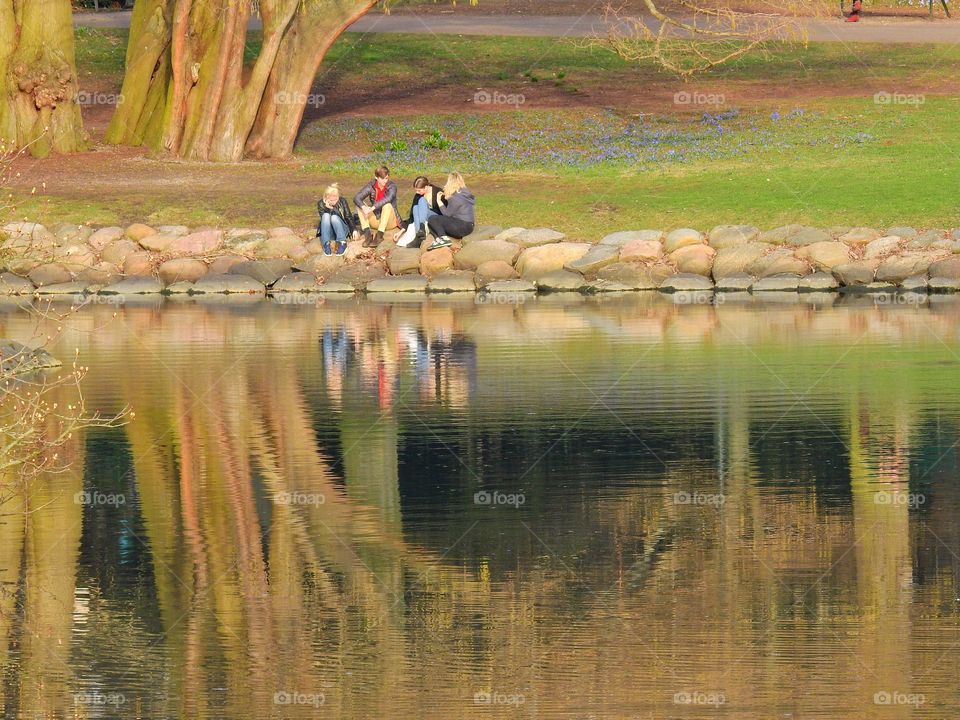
(597, 144)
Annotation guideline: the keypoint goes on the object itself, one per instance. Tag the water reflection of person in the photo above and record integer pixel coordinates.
(446, 368)
(335, 350)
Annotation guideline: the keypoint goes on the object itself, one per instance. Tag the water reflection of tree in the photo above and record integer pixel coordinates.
(258, 596)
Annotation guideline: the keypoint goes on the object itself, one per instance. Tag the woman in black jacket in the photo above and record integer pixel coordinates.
(336, 221)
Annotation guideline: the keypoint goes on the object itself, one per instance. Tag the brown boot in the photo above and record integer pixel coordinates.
(368, 239)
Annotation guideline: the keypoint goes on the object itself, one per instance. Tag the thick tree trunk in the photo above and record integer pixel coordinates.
(187, 93)
(38, 77)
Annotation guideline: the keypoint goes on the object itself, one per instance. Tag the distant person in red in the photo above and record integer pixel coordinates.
(855, 13)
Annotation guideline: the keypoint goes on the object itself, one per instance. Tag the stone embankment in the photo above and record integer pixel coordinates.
(139, 259)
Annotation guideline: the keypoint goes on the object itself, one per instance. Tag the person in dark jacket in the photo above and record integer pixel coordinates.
(456, 218)
(427, 201)
(377, 206)
(336, 221)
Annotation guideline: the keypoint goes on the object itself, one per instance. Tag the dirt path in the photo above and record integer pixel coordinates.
(883, 29)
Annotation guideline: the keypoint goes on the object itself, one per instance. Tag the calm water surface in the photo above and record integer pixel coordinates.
(570, 508)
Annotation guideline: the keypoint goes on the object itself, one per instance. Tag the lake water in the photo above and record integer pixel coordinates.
(567, 508)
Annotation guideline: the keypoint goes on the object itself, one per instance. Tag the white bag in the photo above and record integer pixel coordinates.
(409, 234)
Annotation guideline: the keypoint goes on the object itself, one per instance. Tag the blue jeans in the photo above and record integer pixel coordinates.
(332, 226)
(421, 213)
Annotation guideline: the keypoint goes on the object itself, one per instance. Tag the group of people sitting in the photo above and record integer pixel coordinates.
(447, 213)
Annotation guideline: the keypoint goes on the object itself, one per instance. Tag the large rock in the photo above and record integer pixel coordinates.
(69, 233)
(358, 274)
(453, 281)
(860, 236)
(280, 231)
(134, 286)
(493, 270)
(902, 231)
(158, 242)
(682, 237)
(511, 287)
(625, 237)
(104, 236)
(404, 260)
(220, 265)
(737, 282)
(819, 281)
(11, 284)
(808, 236)
(537, 236)
(401, 284)
(736, 260)
(197, 243)
(278, 246)
(859, 272)
(177, 230)
(49, 274)
(471, 256)
(696, 259)
(189, 269)
(786, 281)
(947, 268)
(229, 284)
(641, 250)
(321, 265)
(825, 255)
(928, 239)
(597, 257)
(778, 262)
(76, 257)
(116, 252)
(138, 231)
(898, 268)
(266, 272)
(685, 282)
(724, 236)
(138, 263)
(636, 277)
(246, 242)
(297, 282)
(780, 235)
(883, 246)
(537, 261)
(68, 288)
(561, 281)
(483, 232)
(435, 262)
(944, 284)
(508, 233)
(103, 273)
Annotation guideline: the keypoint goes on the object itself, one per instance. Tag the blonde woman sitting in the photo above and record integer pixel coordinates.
(456, 217)
(336, 221)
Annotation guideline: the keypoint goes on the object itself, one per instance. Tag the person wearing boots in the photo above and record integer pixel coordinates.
(377, 207)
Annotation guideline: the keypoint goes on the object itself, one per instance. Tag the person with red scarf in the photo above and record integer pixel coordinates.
(377, 206)
(855, 12)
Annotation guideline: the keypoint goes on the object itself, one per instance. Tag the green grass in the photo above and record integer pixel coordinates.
(841, 161)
